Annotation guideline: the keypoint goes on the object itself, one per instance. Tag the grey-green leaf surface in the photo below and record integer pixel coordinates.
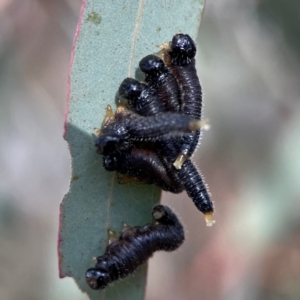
(111, 38)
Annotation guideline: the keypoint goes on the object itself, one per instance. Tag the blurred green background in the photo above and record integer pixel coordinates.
(248, 63)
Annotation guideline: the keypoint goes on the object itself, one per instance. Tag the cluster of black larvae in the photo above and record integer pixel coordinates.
(151, 138)
(135, 246)
(155, 131)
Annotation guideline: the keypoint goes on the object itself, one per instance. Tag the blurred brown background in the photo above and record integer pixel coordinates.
(248, 63)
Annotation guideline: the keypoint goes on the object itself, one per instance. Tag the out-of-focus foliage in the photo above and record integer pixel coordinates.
(250, 77)
(284, 17)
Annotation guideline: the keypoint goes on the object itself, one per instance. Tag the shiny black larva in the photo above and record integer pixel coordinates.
(159, 77)
(181, 63)
(128, 128)
(146, 166)
(135, 246)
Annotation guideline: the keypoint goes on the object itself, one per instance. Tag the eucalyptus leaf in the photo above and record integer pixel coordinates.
(112, 37)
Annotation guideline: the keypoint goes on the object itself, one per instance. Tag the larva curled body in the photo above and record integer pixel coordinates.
(182, 65)
(146, 166)
(135, 246)
(159, 77)
(128, 127)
